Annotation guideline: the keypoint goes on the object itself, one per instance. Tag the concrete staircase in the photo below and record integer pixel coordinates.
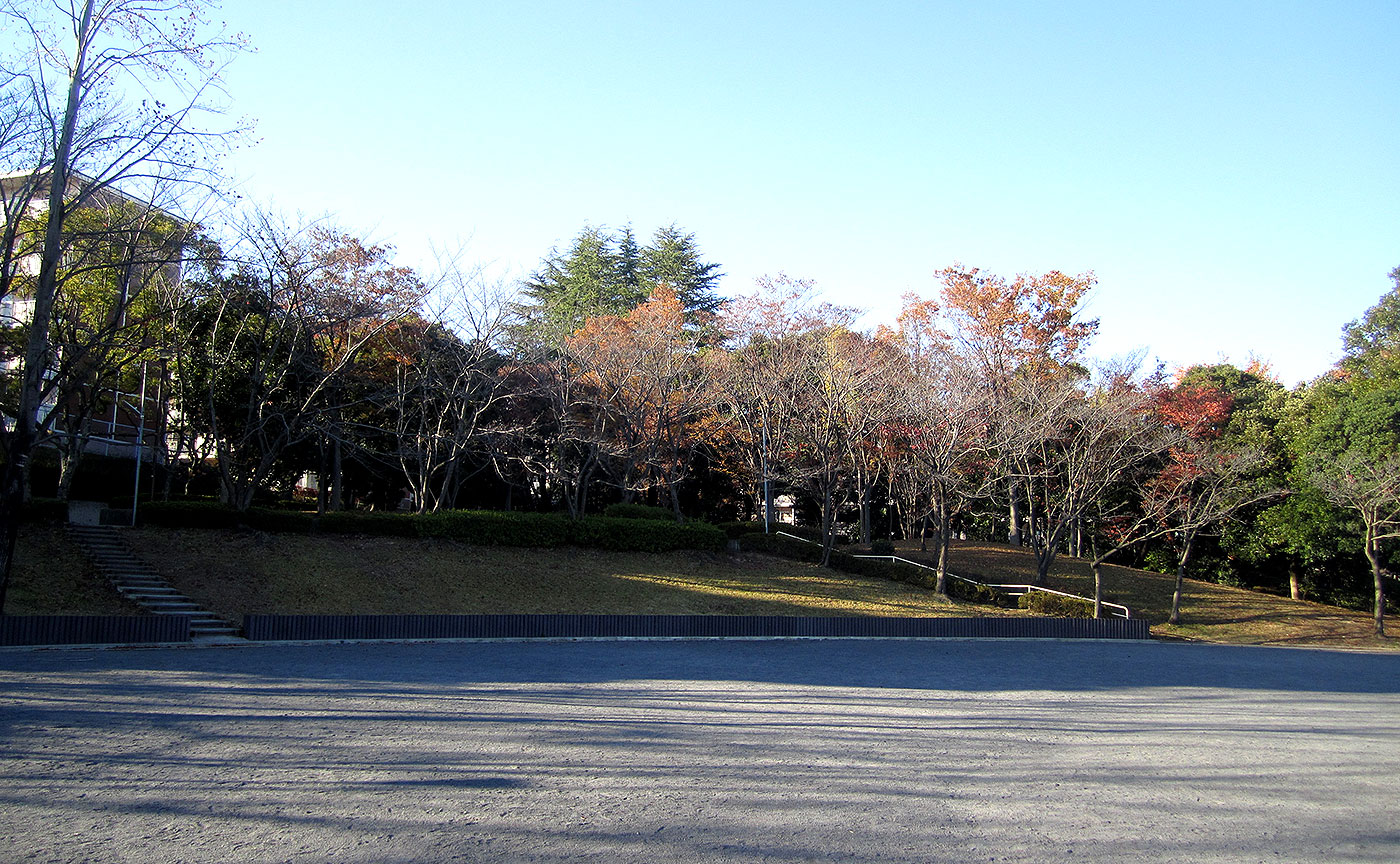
(136, 581)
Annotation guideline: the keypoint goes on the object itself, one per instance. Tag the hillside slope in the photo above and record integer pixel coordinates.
(1210, 612)
(237, 572)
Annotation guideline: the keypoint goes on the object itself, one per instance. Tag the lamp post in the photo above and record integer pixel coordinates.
(140, 443)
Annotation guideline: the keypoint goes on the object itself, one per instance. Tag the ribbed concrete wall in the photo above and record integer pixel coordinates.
(265, 627)
(92, 629)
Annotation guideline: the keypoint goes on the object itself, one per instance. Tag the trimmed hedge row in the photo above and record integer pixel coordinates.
(477, 527)
(45, 510)
(975, 593)
(639, 511)
(742, 530)
(1042, 603)
(787, 547)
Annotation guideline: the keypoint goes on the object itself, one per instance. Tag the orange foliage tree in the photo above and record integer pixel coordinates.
(649, 388)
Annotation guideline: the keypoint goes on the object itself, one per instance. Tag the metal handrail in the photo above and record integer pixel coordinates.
(1026, 589)
(1030, 588)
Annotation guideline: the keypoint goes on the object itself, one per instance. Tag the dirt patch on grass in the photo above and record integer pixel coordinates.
(238, 572)
(1210, 612)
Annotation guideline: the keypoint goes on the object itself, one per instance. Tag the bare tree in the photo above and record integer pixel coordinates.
(1069, 445)
(276, 338)
(118, 92)
(448, 385)
(758, 382)
(1370, 488)
(942, 444)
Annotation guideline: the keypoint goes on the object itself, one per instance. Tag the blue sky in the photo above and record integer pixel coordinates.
(1227, 169)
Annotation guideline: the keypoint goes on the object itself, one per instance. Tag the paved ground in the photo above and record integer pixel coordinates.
(852, 751)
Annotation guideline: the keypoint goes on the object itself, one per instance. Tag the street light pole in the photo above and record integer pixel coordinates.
(140, 442)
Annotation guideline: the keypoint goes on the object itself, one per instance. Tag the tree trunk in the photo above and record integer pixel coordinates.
(1295, 585)
(828, 523)
(864, 509)
(1013, 533)
(1096, 565)
(67, 467)
(1373, 555)
(1180, 580)
(676, 504)
(945, 535)
(337, 476)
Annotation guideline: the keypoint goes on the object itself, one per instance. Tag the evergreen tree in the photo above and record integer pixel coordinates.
(605, 274)
(673, 259)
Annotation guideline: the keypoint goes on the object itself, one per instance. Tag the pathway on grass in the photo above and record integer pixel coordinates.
(864, 751)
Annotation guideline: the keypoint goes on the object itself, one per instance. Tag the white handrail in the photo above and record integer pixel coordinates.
(1026, 589)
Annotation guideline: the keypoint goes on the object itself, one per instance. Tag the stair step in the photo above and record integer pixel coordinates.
(138, 582)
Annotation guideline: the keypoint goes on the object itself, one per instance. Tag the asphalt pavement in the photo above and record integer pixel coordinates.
(688, 751)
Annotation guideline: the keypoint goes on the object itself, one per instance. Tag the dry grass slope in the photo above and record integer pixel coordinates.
(1210, 612)
(237, 572)
(52, 576)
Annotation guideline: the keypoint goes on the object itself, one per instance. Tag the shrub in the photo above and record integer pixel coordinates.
(476, 527)
(644, 535)
(972, 592)
(639, 511)
(494, 528)
(45, 510)
(787, 547)
(872, 567)
(806, 532)
(882, 547)
(739, 530)
(1042, 603)
(383, 524)
(278, 521)
(189, 514)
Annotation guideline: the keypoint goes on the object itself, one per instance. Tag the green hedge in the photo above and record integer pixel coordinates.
(975, 593)
(787, 547)
(739, 530)
(491, 528)
(639, 511)
(477, 527)
(1042, 603)
(773, 544)
(45, 510)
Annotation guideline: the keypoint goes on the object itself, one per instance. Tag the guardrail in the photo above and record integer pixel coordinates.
(1118, 610)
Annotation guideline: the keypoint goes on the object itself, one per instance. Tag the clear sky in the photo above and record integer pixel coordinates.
(1229, 170)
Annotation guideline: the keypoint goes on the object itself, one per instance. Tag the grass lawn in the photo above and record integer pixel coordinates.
(237, 572)
(1209, 612)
